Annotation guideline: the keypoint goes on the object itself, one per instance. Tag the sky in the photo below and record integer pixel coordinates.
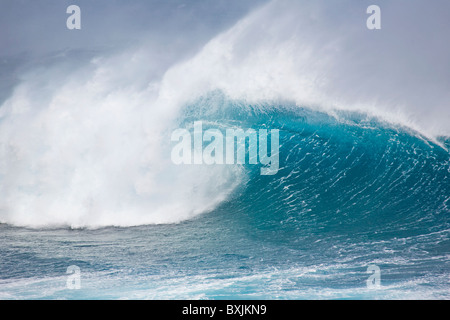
(40, 26)
(34, 32)
(404, 64)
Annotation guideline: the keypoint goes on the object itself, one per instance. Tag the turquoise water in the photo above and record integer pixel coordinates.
(351, 192)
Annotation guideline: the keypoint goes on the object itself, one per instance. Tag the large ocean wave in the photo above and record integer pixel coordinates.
(348, 172)
(85, 138)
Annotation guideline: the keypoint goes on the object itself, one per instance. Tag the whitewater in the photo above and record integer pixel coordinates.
(86, 176)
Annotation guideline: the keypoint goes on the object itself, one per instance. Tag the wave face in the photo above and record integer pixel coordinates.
(347, 173)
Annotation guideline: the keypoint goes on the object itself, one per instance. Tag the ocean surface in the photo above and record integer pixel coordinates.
(93, 207)
(348, 194)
